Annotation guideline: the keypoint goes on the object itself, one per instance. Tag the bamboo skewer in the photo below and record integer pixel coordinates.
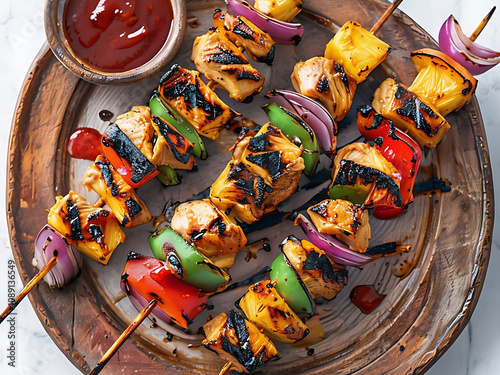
(124, 336)
(39, 276)
(385, 16)
(482, 25)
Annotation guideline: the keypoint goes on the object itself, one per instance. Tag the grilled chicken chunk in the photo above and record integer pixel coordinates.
(257, 44)
(322, 276)
(223, 63)
(362, 166)
(263, 306)
(136, 124)
(324, 79)
(92, 230)
(410, 112)
(210, 231)
(105, 180)
(346, 221)
(184, 91)
(171, 147)
(239, 341)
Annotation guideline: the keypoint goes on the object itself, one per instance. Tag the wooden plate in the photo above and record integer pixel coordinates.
(431, 292)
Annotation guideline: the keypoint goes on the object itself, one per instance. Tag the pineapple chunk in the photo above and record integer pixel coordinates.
(263, 306)
(105, 180)
(410, 113)
(357, 50)
(94, 231)
(187, 94)
(283, 10)
(346, 221)
(223, 63)
(441, 81)
(238, 341)
(322, 276)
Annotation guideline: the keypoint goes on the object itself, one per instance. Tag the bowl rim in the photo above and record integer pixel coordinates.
(63, 52)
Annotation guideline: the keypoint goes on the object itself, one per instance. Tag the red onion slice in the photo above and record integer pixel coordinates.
(48, 243)
(313, 113)
(281, 32)
(472, 56)
(335, 249)
(157, 315)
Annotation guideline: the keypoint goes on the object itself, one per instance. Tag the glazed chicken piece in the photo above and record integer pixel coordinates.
(222, 62)
(324, 79)
(160, 143)
(346, 221)
(92, 230)
(105, 180)
(184, 91)
(362, 167)
(209, 230)
(322, 276)
(257, 44)
(238, 341)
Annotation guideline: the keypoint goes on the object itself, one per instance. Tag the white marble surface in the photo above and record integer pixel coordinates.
(476, 352)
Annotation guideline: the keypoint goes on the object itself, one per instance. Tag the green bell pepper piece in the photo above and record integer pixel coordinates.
(355, 194)
(167, 176)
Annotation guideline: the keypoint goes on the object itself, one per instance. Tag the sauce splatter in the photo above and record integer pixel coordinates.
(366, 298)
(84, 143)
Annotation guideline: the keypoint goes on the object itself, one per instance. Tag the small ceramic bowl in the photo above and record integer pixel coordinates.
(54, 29)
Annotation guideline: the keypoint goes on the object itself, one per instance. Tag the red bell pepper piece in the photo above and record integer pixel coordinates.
(126, 158)
(398, 148)
(151, 279)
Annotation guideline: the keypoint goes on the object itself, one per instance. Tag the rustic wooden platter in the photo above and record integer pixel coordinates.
(431, 291)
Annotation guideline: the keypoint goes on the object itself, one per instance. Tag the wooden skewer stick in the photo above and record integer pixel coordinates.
(39, 276)
(482, 25)
(226, 368)
(385, 16)
(124, 336)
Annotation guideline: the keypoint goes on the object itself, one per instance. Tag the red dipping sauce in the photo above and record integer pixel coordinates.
(117, 35)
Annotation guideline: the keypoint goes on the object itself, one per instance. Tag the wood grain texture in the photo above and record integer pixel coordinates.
(408, 339)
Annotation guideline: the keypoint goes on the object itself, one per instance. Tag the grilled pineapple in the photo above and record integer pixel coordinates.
(357, 50)
(325, 79)
(283, 10)
(93, 231)
(346, 221)
(410, 112)
(361, 166)
(128, 208)
(441, 81)
(257, 44)
(187, 94)
(209, 230)
(222, 62)
(238, 341)
(263, 306)
(322, 276)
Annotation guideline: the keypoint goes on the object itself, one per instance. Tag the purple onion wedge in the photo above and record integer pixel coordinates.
(335, 249)
(281, 32)
(48, 243)
(313, 113)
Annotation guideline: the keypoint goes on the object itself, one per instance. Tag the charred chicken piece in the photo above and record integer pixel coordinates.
(209, 230)
(346, 221)
(222, 62)
(105, 180)
(92, 230)
(239, 341)
(322, 276)
(270, 155)
(410, 113)
(263, 306)
(257, 44)
(171, 147)
(361, 170)
(136, 124)
(186, 93)
(324, 79)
